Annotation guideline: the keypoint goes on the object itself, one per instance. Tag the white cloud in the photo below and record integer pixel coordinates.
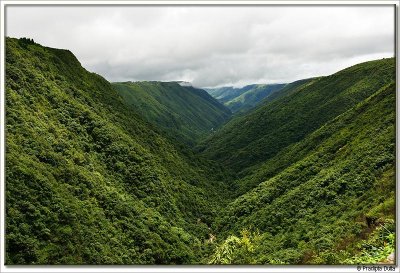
(210, 45)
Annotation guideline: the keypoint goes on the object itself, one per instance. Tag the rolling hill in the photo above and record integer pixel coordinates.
(184, 112)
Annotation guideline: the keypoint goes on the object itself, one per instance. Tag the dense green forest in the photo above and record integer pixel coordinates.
(184, 112)
(247, 97)
(341, 182)
(289, 118)
(159, 173)
(88, 180)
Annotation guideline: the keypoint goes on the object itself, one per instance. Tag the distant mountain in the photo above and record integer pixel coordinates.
(225, 94)
(184, 112)
(243, 99)
(253, 97)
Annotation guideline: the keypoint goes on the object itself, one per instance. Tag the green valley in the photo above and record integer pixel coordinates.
(152, 172)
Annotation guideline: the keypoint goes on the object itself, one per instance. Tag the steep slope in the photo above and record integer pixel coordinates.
(249, 140)
(184, 112)
(339, 188)
(88, 181)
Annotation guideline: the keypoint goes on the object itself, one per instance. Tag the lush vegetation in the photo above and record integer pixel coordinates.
(88, 181)
(251, 139)
(378, 248)
(240, 100)
(184, 112)
(100, 173)
(330, 197)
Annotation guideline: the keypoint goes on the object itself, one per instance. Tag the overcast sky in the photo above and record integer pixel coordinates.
(210, 45)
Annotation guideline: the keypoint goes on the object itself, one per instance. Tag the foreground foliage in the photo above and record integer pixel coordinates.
(377, 248)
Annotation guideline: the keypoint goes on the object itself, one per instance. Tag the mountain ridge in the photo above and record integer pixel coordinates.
(182, 111)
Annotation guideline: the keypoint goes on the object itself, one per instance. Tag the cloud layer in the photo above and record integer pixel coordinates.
(210, 45)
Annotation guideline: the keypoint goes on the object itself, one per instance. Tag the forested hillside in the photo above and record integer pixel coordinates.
(337, 186)
(88, 180)
(184, 112)
(249, 140)
(148, 173)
